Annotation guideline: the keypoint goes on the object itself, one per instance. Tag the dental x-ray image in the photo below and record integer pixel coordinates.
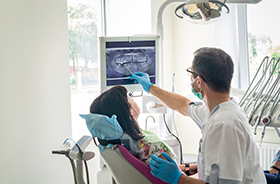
(125, 57)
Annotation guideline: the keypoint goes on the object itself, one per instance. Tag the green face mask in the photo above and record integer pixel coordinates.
(198, 94)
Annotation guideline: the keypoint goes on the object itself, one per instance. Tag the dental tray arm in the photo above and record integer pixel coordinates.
(261, 101)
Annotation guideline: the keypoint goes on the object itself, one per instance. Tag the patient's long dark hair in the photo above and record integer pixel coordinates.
(115, 101)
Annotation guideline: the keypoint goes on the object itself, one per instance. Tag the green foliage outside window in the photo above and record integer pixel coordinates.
(82, 26)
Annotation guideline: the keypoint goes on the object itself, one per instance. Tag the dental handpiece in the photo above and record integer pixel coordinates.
(265, 121)
(267, 101)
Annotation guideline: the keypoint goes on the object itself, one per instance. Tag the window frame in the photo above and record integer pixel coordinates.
(244, 70)
(232, 28)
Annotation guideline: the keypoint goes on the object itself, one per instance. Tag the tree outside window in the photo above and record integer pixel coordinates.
(83, 49)
(263, 33)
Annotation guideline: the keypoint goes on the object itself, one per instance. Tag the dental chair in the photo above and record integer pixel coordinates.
(124, 167)
(127, 169)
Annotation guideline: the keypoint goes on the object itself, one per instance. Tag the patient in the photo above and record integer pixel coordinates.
(115, 101)
(273, 175)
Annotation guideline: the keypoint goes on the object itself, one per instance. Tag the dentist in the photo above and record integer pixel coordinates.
(227, 152)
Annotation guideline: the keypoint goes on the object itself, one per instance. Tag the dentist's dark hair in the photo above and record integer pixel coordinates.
(115, 102)
(216, 66)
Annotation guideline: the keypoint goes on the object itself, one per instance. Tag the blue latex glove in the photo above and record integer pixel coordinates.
(166, 170)
(143, 79)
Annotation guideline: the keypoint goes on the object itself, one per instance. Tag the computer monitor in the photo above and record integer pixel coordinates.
(121, 56)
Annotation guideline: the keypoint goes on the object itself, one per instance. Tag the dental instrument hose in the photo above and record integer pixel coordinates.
(266, 120)
(73, 168)
(245, 96)
(260, 95)
(267, 102)
(87, 172)
(180, 144)
(85, 162)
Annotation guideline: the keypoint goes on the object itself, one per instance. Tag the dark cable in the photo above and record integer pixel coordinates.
(181, 152)
(87, 172)
(94, 141)
(73, 168)
(81, 153)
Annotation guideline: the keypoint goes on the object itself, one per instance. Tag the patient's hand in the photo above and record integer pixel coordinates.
(191, 170)
(162, 157)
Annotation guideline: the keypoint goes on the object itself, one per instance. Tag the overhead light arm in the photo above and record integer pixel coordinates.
(159, 26)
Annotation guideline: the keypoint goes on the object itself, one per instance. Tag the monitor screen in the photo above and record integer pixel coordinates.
(121, 56)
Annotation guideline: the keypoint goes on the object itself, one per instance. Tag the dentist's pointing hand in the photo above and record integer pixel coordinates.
(143, 79)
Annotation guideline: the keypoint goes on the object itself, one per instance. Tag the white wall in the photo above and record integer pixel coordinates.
(34, 95)
(188, 37)
(181, 39)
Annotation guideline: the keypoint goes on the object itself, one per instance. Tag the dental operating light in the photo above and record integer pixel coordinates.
(197, 11)
(201, 11)
(206, 11)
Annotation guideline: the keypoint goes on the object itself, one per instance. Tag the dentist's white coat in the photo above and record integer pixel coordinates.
(227, 151)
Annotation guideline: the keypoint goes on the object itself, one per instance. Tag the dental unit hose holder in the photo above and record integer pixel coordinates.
(78, 153)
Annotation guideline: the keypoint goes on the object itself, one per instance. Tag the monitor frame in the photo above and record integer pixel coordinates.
(103, 68)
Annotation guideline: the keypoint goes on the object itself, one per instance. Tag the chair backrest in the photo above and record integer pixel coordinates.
(126, 168)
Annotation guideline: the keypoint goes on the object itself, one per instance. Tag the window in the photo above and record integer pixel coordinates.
(120, 18)
(231, 36)
(128, 17)
(251, 38)
(263, 33)
(84, 27)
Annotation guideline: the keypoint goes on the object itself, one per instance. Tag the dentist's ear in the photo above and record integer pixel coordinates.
(199, 82)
